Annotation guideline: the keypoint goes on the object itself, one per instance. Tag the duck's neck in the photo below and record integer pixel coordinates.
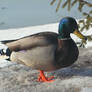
(64, 36)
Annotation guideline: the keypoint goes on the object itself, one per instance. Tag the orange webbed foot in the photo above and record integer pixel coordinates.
(42, 77)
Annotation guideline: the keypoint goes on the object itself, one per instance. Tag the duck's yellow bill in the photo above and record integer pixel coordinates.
(76, 32)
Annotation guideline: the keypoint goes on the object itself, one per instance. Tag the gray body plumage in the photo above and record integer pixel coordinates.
(41, 51)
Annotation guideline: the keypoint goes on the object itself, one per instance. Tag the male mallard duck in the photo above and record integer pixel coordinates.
(46, 51)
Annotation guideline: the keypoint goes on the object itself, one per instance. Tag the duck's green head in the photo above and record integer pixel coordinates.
(68, 25)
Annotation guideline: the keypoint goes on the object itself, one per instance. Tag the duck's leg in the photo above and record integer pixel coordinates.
(42, 77)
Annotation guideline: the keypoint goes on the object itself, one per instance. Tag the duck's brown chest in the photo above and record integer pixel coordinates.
(67, 53)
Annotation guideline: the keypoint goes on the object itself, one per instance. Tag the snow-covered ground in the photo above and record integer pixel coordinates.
(18, 78)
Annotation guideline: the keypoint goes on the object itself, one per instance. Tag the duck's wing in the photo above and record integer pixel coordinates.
(29, 42)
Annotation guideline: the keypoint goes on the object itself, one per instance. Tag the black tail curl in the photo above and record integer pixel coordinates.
(7, 41)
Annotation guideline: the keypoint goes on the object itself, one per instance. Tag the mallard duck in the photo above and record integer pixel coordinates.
(46, 51)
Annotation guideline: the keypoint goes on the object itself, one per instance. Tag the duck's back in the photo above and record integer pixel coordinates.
(36, 51)
(32, 41)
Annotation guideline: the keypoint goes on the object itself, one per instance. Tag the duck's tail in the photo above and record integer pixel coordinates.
(3, 46)
(6, 41)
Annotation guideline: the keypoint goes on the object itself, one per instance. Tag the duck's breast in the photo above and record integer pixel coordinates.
(67, 55)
